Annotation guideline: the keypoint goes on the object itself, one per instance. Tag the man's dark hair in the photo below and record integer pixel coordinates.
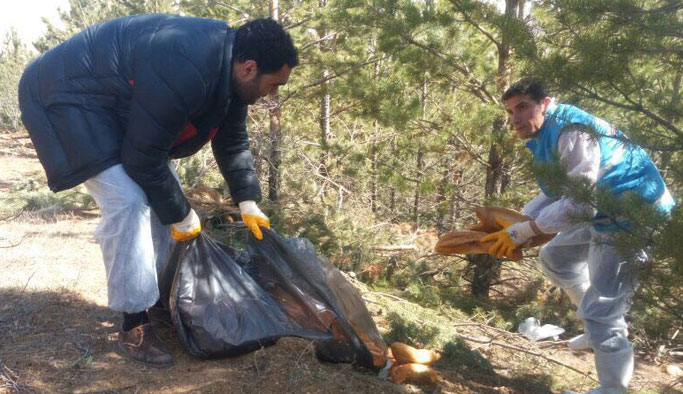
(267, 43)
(529, 86)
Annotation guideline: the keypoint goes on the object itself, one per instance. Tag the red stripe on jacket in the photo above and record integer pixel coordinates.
(189, 130)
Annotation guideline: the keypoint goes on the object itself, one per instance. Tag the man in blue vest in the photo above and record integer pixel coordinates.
(581, 259)
(111, 106)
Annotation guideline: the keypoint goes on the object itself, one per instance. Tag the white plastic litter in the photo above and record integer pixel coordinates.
(384, 372)
(532, 329)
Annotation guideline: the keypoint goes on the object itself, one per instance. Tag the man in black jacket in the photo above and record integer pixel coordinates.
(112, 105)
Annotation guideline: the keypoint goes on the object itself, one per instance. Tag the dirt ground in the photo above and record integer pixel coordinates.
(57, 335)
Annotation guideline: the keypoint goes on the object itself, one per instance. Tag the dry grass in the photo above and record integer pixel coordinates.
(58, 336)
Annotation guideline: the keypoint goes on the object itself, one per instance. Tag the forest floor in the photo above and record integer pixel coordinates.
(57, 335)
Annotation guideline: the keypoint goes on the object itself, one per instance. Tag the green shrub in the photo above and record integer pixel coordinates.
(457, 353)
(410, 331)
(13, 58)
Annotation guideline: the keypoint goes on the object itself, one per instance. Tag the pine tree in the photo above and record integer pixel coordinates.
(14, 56)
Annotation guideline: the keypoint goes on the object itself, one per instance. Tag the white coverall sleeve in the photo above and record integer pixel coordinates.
(534, 207)
(581, 152)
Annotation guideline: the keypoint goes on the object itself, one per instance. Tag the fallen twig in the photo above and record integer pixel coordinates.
(13, 245)
(258, 353)
(26, 284)
(540, 344)
(675, 383)
(520, 349)
(386, 295)
(9, 380)
(393, 248)
(371, 301)
(13, 216)
(439, 269)
(308, 349)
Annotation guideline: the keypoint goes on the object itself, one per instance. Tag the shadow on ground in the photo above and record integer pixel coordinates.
(57, 341)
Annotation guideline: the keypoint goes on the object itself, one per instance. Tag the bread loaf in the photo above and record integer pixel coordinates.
(406, 354)
(467, 242)
(412, 373)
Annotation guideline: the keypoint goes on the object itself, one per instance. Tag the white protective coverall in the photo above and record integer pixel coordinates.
(134, 243)
(586, 266)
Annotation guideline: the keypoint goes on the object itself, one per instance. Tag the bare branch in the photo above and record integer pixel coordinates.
(471, 21)
(316, 173)
(333, 76)
(297, 24)
(488, 341)
(671, 8)
(633, 106)
(329, 36)
(244, 14)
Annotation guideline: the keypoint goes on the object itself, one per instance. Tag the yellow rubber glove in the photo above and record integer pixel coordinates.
(253, 218)
(187, 229)
(503, 245)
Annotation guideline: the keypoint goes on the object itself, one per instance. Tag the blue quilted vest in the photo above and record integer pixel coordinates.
(623, 166)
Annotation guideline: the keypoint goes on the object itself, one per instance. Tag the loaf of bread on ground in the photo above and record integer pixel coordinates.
(406, 354)
(412, 373)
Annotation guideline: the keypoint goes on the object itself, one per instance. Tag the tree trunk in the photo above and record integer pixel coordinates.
(274, 9)
(325, 108)
(324, 112)
(486, 267)
(275, 151)
(392, 190)
(486, 271)
(373, 175)
(274, 181)
(455, 201)
(442, 203)
(374, 154)
(671, 118)
(419, 164)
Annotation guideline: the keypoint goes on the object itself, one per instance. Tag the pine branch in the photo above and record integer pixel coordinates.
(329, 36)
(333, 76)
(295, 24)
(475, 87)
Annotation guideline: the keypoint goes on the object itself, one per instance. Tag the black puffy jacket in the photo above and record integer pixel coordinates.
(139, 90)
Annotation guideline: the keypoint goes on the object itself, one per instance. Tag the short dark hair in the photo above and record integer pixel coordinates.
(530, 86)
(267, 43)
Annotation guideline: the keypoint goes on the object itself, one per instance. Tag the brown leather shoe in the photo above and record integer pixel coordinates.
(141, 344)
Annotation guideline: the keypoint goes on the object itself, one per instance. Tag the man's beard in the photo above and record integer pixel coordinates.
(247, 93)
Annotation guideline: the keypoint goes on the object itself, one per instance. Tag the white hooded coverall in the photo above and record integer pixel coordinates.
(583, 262)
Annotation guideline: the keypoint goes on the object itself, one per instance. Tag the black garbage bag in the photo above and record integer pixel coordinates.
(225, 302)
